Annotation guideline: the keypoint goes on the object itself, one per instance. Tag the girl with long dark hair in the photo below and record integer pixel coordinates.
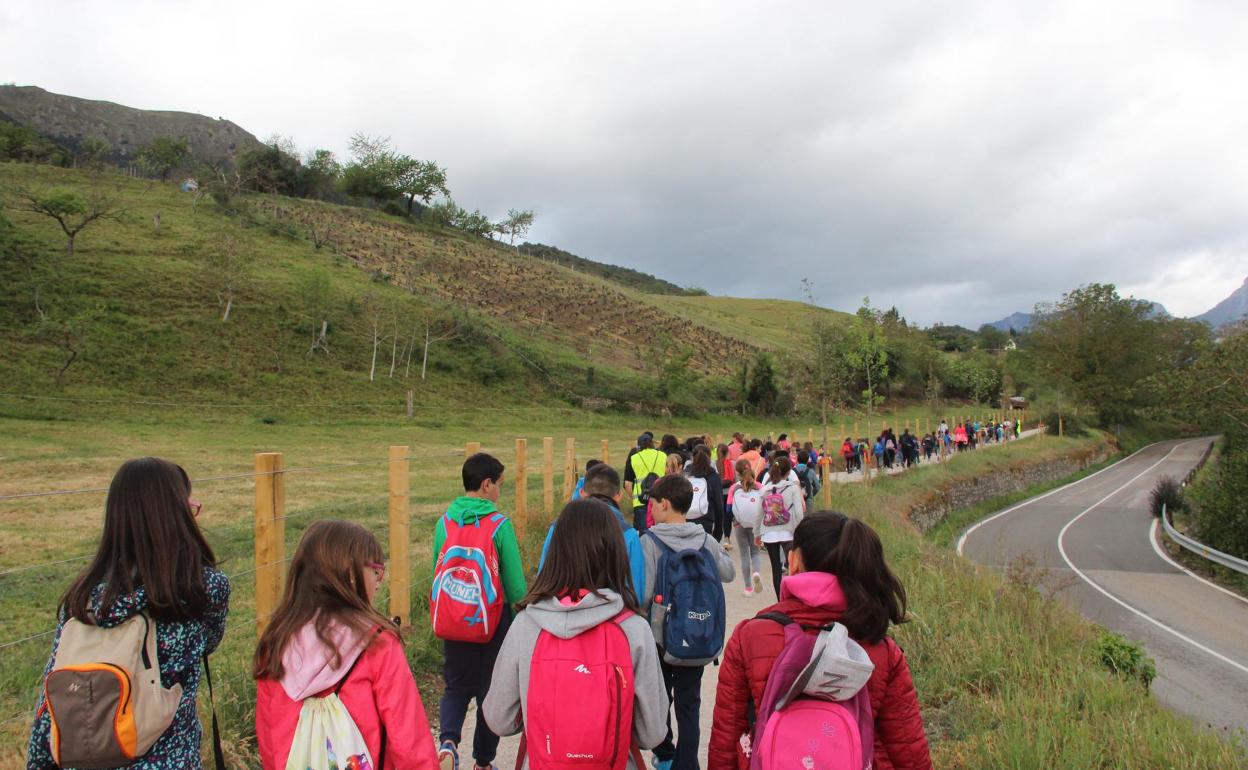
(152, 560)
(837, 574)
(584, 583)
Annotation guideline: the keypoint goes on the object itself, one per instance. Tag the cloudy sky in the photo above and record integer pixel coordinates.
(960, 160)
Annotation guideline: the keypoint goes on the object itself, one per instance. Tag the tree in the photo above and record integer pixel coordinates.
(226, 271)
(163, 155)
(516, 225)
(371, 172)
(867, 353)
(92, 150)
(991, 338)
(827, 370)
(71, 211)
(314, 293)
(320, 174)
(418, 179)
(763, 393)
(375, 311)
(1097, 347)
(269, 169)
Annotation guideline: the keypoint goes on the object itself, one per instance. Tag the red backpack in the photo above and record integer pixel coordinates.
(591, 673)
(466, 603)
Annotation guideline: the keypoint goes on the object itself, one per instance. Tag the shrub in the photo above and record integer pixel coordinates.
(1167, 492)
(1125, 658)
(1073, 425)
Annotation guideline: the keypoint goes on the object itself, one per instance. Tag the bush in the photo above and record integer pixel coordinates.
(1167, 492)
(1219, 502)
(1072, 424)
(1125, 658)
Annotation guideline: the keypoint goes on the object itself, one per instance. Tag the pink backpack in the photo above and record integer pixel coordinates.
(591, 674)
(775, 510)
(793, 731)
(466, 603)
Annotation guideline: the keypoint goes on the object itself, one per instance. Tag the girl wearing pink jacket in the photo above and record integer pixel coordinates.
(326, 637)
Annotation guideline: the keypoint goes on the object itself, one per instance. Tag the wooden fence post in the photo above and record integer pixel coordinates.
(606, 451)
(522, 484)
(827, 488)
(400, 535)
(548, 475)
(569, 468)
(471, 448)
(410, 407)
(270, 535)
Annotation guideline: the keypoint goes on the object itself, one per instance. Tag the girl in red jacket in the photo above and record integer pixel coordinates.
(326, 633)
(837, 573)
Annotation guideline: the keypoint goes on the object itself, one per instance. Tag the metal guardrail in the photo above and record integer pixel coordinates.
(1196, 547)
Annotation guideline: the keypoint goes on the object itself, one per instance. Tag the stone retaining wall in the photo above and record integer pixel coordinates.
(965, 493)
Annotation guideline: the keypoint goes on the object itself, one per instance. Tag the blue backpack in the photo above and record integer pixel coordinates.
(688, 611)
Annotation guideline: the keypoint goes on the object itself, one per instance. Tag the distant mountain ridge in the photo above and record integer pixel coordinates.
(622, 275)
(68, 120)
(1228, 311)
(1020, 322)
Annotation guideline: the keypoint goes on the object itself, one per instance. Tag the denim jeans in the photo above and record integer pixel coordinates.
(466, 670)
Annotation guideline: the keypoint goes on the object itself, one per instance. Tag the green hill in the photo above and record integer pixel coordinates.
(141, 311)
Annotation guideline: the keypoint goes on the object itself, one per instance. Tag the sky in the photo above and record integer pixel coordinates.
(958, 160)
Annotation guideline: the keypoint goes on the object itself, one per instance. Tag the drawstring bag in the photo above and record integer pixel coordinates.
(326, 737)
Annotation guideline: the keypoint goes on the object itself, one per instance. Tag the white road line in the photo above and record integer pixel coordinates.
(1061, 548)
(1025, 503)
(1154, 536)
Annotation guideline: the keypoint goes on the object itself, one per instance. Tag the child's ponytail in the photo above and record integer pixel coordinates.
(849, 549)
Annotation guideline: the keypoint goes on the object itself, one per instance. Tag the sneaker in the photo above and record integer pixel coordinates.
(448, 756)
(749, 591)
(758, 581)
(660, 764)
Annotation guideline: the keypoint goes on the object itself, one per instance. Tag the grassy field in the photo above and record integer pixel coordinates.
(1007, 678)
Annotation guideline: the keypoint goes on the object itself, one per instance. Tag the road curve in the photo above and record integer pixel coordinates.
(1098, 531)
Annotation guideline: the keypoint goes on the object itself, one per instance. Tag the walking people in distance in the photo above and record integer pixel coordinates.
(644, 467)
(684, 602)
(329, 666)
(707, 508)
(807, 476)
(838, 575)
(578, 673)
(783, 506)
(153, 598)
(477, 577)
(746, 499)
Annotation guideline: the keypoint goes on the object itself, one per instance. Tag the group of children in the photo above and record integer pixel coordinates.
(586, 662)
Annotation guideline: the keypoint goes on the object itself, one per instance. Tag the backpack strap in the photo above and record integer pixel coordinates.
(218, 756)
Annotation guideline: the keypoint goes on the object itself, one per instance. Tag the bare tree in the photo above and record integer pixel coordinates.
(73, 212)
(374, 311)
(226, 270)
(317, 303)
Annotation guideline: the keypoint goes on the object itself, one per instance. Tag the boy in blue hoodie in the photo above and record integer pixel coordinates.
(602, 482)
(466, 666)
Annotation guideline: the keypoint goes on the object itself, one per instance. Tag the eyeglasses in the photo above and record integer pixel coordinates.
(196, 506)
(380, 569)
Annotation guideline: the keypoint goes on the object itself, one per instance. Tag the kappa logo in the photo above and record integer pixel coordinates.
(698, 615)
(581, 669)
(75, 687)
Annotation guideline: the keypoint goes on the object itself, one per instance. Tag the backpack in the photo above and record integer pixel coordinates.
(466, 603)
(816, 710)
(701, 499)
(327, 738)
(594, 671)
(747, 506)
(647, 483)
(808, 484)
(104, 698)
(775, 509)
(688, 610)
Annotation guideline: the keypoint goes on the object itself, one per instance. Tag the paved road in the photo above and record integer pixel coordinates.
(1098, 533)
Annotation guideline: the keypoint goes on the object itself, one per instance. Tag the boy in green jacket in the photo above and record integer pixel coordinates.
(466, 666)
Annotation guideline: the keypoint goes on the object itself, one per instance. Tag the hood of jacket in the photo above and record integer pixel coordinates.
(679, 537)
(308, 663)
(566, 618)
(817, 590)
(470, 510)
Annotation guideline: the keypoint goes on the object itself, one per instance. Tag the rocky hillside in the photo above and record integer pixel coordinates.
(1228, 311)
(67, 120)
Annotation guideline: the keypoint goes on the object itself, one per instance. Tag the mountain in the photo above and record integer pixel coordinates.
(1229, 310)
(1017, 321)
(67, 120)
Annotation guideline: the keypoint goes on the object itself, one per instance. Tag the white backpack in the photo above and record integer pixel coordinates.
(701, 502)
(747, 506)
(326, 737)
